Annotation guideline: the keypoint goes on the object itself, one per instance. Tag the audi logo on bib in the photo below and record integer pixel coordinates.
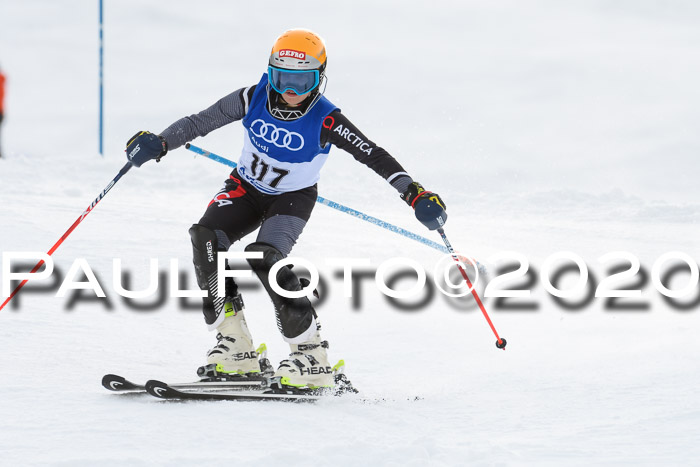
(280, 137)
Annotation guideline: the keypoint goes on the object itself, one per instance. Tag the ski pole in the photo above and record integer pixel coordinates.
(342, 208)
(89, 209)
(500, 342)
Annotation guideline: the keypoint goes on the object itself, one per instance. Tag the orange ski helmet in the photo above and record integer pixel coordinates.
(297, 62)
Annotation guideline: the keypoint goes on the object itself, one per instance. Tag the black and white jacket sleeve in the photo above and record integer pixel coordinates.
(340, 132)
(226, 110)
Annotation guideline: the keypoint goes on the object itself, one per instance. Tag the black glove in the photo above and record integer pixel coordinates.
(429, 207)
(144, 146)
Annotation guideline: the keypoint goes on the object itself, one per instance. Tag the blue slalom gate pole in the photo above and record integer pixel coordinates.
(101, 74)
(337, 206)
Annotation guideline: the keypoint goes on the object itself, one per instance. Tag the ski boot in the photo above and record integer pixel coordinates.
(216, 371)
(307, 370)
(234, 353)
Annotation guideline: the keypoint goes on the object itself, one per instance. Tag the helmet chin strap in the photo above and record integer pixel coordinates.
(290, 113)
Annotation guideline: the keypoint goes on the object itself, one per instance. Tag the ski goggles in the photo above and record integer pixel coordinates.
(299, 81)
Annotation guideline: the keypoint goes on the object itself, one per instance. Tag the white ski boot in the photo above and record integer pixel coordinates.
(307, 366)
(234, 353)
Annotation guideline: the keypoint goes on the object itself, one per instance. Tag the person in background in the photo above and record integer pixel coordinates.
(2, 100)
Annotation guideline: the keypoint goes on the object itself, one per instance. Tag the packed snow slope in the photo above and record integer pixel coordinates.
(545, 126)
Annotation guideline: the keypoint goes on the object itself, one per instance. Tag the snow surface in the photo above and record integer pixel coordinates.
(546, 126)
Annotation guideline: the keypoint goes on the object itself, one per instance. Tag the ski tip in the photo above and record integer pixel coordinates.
(117, 383)
(112, 382)
(158, 389)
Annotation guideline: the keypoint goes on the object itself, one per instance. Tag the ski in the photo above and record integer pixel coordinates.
(225, 391)
(274, 392)
(212, 377)
(162, 390)
(120, 384)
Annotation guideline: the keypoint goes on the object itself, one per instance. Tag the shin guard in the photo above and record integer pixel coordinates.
(204, 249)
(296, 318)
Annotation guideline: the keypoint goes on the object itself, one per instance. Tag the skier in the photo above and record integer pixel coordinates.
(289, 128)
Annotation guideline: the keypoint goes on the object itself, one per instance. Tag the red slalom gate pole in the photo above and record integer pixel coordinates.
(500, 342)
(77, 222)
